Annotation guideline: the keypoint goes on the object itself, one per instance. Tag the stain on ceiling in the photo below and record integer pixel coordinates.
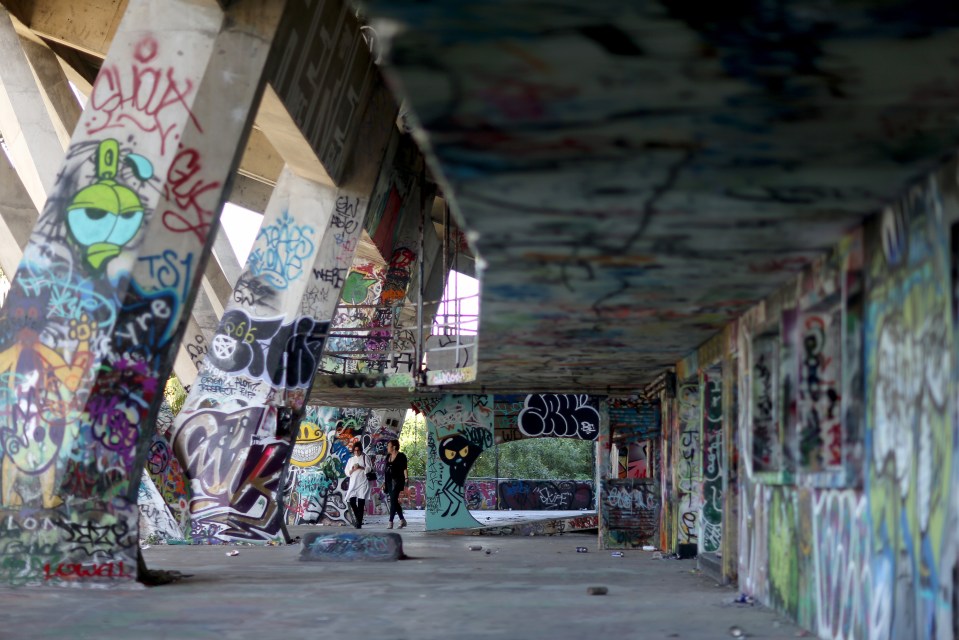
(636, 175)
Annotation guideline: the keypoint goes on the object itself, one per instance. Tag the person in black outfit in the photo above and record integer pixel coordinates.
(397, 475)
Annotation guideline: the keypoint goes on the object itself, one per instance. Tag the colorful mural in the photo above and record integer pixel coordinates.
(316, 483)
(235, 432)
(460, 427)
(877, 561)
(88, 331)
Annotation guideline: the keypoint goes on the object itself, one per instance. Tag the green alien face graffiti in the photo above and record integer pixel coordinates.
(105, 215)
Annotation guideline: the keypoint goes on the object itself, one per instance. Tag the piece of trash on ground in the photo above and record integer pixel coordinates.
(736, 632)
(648, 547)
(597, 591)
(617, 554)
(475, 547)
(582, 549)
(233, 553)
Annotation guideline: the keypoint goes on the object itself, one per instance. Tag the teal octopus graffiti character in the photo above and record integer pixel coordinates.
(104, 216)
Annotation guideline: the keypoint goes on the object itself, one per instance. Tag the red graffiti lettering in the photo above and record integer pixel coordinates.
(147, 97)
(68, 571)
(187, 190)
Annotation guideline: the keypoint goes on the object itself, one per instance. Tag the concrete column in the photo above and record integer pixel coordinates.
(234, 434)
(112, 267)
(17, 217)
(405, 185)
(602, 471)
(32, 139)
(459, 429)
(262, 361)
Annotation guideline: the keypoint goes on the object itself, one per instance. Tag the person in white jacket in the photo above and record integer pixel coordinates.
(358, 491)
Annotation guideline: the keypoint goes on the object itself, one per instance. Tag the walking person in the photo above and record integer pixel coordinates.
(358, 491)
(397, 477)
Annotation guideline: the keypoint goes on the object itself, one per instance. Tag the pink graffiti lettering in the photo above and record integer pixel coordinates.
(145, 96)
(187, 190)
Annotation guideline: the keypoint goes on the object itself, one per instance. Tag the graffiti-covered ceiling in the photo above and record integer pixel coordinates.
(635, 175)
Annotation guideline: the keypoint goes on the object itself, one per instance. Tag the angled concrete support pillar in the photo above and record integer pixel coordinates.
(406, 190)
(17, 217)
(234, 434)
(602, 470)
(88, 332)
(28, 131)
(248, 400)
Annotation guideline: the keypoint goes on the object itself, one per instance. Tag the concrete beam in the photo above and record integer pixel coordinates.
(262, 160)
(281, 130)
(322, 79)
(31, 138)
(250, 193)
(87, 25)
(17, 217)
(61, 103)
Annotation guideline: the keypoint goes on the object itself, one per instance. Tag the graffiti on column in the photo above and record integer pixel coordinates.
(460, 428)
(284, 255)
(87, 325)
(164, 469)
(559, 416)
(820, 392)
(361, 291)
(238, 426)
(383, 322)
(688, 469)
(713, 463)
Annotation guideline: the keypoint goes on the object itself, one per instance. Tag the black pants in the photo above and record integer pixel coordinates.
(358, 506)
(396, 509)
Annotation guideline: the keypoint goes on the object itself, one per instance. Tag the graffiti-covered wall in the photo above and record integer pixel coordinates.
(316, 482)
(687, 466)
(630, 498)
(91, 324)
(848, 499)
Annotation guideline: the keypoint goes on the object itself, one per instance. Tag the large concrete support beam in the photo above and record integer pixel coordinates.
(28, 132)
(92, 320)
(261, 363)
(34, 79)
(87, 25)
(55, 89)
(263, 360)
(404, 189)
(459, 429)
(17, 217)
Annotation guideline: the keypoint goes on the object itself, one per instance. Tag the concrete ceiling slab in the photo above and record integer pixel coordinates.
(636, 175)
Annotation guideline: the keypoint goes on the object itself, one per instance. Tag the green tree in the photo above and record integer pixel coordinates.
(534, 459)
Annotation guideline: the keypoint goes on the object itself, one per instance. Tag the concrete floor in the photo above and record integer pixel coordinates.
(527, 587)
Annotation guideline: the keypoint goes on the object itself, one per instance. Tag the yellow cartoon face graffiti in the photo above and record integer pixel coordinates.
(310, 447)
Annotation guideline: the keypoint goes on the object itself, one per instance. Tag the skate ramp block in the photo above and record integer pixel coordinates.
(352, 547)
